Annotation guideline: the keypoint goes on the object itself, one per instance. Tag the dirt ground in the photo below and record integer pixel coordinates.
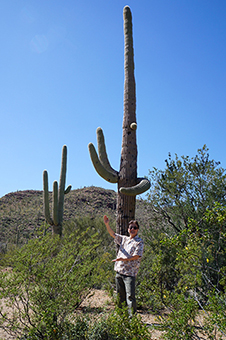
(100, 302)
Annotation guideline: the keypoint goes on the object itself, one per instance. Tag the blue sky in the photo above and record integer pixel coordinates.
(62, 76)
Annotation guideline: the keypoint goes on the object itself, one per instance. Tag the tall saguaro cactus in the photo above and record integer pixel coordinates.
(129, 185)
(58, 196)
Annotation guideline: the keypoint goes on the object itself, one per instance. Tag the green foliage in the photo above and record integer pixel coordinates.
(182, 275)
(119, 325)
(106, 251)
(48, 280)
(215, 320)
(114, 326)
(186, 188)
(185, 245)
(180, 323)
(158, 273)
(96, 226)
(78, 330)
(185, 273)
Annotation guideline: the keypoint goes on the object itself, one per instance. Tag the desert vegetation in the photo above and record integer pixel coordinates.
(45, 279)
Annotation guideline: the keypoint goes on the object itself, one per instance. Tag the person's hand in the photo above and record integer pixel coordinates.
(119, 259)
(106, 220)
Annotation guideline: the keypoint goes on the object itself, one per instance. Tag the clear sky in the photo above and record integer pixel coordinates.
(61, 65)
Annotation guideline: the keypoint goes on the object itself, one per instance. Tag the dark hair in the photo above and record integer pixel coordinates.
(134, 222)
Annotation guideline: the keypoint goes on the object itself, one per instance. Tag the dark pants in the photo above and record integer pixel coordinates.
(125, 288)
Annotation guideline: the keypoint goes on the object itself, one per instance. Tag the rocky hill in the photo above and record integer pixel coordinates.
(21, 212)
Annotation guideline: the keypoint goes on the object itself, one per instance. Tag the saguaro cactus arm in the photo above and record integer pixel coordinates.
(100, 169)
(67, 190)
(101, 163)
(142, 186)
(55, 203)
(46, 198)
(102, 152)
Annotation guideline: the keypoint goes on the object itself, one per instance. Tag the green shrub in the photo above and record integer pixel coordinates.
(78, 330)
(197, 281)
(158, 274)
(121, 326)
(117, 325)
(180, 322)
(215, 316)
(49, 279)
(106, 251)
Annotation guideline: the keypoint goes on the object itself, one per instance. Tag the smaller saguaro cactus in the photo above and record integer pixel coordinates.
(58, 196)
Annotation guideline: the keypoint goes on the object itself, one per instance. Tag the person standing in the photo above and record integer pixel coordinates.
(127, 263)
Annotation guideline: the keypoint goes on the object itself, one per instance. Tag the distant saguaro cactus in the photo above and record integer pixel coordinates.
(58, 196)
(129, 185)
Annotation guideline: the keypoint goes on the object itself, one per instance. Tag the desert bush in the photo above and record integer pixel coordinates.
(48, 280)
(96, 226)
(121, 326)
(158, 274)
(180, 322)
(117, 325)
(106, 251)
(185, 273)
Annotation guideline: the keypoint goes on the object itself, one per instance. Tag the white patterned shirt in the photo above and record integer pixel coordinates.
(128, 247)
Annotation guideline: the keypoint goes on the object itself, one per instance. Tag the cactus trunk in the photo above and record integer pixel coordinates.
(129, 185)
(128, 165)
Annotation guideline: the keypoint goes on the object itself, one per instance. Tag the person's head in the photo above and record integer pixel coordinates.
(133, 228)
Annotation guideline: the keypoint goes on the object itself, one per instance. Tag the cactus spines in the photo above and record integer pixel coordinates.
(58, 196)
(128, 184)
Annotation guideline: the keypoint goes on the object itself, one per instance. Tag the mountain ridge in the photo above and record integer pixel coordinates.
(21, 212)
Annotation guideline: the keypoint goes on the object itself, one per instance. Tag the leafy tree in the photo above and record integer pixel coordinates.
(189, 195)
(185, 189)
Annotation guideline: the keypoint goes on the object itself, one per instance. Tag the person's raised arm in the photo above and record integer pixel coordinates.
(106, 222)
